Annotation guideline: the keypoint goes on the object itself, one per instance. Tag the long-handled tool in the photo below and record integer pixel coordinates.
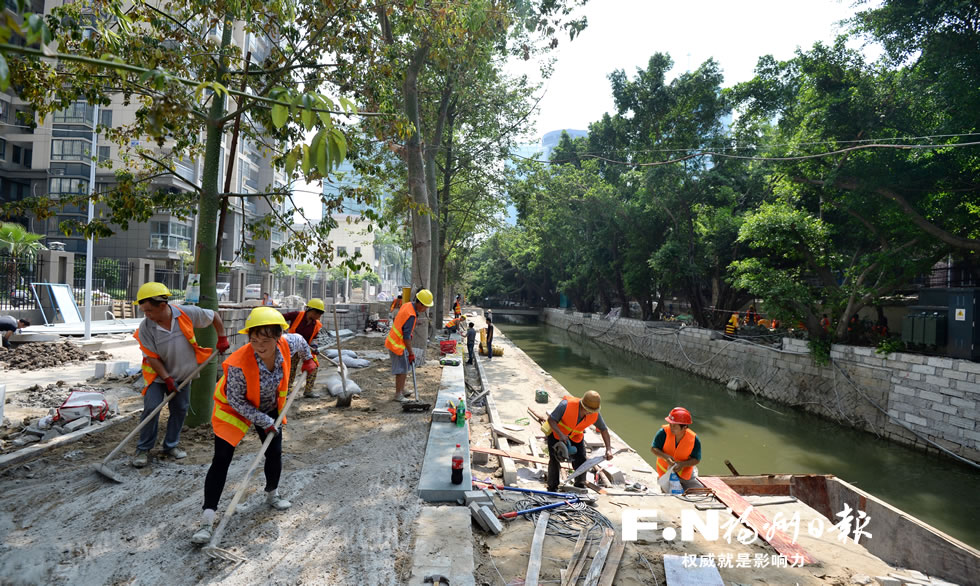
(514, 514)
(103, 468)
(212, 548)
(415, 405)
(346, 399)
(561, 495)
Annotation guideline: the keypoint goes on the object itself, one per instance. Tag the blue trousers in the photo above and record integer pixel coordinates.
(177, 409)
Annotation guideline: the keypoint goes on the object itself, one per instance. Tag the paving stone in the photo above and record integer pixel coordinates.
(77, 424)
(477, 496)
(50, 435)
(493, 523)
(100, 370)
(475, 513)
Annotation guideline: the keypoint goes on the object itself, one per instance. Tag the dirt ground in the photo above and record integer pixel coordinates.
(351, 475)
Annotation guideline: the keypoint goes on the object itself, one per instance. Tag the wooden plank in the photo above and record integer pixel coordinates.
(595, 570)
(583, 535)
(513, 455)
(697, 575)
(572, 577)
(612, 563)
(532, 445)
(500, 431)
(537, 545)
(756, 520)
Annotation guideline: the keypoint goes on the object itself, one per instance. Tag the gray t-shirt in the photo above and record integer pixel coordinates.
(8, 323)
(471, 336)
(175, 351)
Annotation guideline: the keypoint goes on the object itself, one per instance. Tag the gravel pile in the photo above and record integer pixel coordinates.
(42, 355)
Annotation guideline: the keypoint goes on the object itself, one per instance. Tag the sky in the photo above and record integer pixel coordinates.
(623, 34)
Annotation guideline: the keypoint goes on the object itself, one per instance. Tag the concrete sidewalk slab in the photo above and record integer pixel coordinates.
(443, 546)
(435, 480)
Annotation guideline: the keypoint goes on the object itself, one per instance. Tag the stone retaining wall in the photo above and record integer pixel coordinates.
(936, 397)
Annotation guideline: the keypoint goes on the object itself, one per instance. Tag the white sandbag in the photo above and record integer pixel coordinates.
(350, 362)
(332, 353)
(336, 387)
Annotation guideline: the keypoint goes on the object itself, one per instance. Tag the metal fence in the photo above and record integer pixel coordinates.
(111, 281)
(17, 272)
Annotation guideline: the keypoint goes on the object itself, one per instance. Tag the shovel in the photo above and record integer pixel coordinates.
(103, 468)
(212, 548)
(415, 405)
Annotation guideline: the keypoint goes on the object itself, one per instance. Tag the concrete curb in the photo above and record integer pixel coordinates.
(507, 465)
(36, 450)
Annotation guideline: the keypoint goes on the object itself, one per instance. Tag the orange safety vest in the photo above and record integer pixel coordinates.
(678, 452)
(457, 308)
(187, 328)
(299, 320)
(395, 341)
(228, 424)
(573, 428)
(396, 304)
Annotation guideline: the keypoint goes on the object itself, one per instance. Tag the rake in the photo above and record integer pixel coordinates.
(212, 548)
(103, 467)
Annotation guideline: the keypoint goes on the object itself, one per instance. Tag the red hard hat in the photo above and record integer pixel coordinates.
(679, 415)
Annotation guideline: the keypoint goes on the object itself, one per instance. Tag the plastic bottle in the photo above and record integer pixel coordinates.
(457, 466)
(675, 483)
(460, 413)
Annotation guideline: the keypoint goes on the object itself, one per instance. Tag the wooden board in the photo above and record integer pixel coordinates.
(583, 534)
(678, 575)
(595, 570)
(500, 431)
(756, 520)
(537, 545)
(513, 455)
(612, 563)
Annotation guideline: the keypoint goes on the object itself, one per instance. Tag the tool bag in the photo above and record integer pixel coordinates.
(83, 404)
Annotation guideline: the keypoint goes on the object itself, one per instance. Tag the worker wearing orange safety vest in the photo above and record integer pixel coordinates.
(565, 434)
(171, 354)
(253, 390)
(399, 340)
(676, 445)
(396, 305)
(307, 324)
(458, 307)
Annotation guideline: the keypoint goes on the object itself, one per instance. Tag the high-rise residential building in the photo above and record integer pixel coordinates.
(53, 157)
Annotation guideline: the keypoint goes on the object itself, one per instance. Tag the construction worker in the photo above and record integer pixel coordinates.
(170, 355)
(470, 342)
(676, 445)
(489, 338)
(9, 325)
(458, 306)
(253, 390)
(731, 328)
(307, 324)
(399, 340)
(396, 304)
(452, 326)
(566, 429)
(751, 316)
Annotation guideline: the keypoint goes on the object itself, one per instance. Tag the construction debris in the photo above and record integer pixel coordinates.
(36, 356)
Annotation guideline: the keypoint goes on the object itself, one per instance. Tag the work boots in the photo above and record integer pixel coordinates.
(203, 535)
(277, 502)
(141, 459)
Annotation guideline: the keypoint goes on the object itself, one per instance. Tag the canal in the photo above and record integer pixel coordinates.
(758, 436)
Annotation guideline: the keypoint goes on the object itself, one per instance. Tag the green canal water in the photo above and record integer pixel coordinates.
(637, 393)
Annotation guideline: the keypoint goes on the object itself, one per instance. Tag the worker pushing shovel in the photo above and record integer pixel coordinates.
(399, 341)
(253, 390)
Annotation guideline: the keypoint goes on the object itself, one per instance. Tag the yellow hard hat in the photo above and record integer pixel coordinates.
(425, 297)
(152, 289)
(264, 316)
(315, 304)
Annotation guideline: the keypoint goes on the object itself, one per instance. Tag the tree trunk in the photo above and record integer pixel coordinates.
(431, 150)
(202, 389)
(421, 226)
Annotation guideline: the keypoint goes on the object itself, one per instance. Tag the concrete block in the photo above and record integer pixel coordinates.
(939, 362)
(962, 403)
(915, 420)
(26, 438)
(480, 458)
(443, 545)
(923, 369)
(887, 581)
(51, 434)
(119, 367)
(493, 523)
(475, 514)
(77, 424)
(947, 409)
(862, 350)
(32, 430)
(951, 392)
(939, 381)
(441, 416)
(953, 374)
(930, 396)
(967, 366)
(966, 387)
(907, 391)
(100, 369)
(476, 496)
(967, 424)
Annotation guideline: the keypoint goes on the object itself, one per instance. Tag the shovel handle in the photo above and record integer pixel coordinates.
(146, 420)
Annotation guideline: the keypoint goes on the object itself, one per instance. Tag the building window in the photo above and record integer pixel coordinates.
(103, 153)
(70, 149)
(105, 118)
(341, 250)
(169, 235)
(69, 185)
(28, 157)
(3, 149)
(357, 250)
(4, 111)
(15, 158)
(77, 113)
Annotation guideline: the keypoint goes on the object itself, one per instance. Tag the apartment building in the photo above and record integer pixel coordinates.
(53, 157)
